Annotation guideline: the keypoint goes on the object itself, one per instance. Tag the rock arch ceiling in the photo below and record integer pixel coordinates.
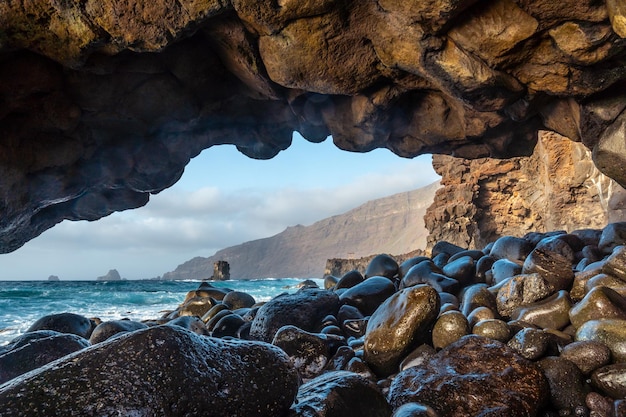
(103, 102)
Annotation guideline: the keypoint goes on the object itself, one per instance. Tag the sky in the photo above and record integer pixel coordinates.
(223, 199)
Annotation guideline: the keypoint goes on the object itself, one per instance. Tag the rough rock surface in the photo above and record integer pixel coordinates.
(167, 371)
(556, 188)
(474, 376)
(103, 103)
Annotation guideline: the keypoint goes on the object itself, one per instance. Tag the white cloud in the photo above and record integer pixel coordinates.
(177, 225)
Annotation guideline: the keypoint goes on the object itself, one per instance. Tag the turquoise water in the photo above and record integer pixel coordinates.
(23, 302)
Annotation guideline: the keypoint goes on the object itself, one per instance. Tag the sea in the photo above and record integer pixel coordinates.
(24, 302)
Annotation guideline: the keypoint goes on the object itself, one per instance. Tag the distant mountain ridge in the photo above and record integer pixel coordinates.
(393, 225)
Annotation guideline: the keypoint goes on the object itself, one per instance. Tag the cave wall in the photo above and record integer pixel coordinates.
(556, 188)
(103, 102)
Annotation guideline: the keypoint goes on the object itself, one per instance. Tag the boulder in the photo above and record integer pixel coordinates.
(473, 376)
(64, 323)
(162, 370)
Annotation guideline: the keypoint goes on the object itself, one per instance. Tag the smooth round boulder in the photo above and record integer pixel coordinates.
(530, 343)
(409, 263)
(474, 376)
(227, 326)
(158, 371)
(599, 303)
(588, 355)
(503, 269)
(398, 325)
(449, 327)
(462, 269)
(447, 248)
(611, 332)
(475, 296)
(340, 394)
(64, 323)
(196, 306)
(611, 380)
(480, 314)
(349, 279)
(613, 235)
(493, 329)
(549, 313)
(383, 266)
(191, 323)
(568, 388)
(427, 272)
(35, 349)
(304, 309)
(515, 249)
(555, 268)
(238, 299)
(107, 329)
(369, 294)
(330, 281)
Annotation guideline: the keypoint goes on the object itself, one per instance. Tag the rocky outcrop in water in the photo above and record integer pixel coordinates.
(103, 103)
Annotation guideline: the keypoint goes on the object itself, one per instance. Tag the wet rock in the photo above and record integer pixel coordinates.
(611, 380)
(409, 263)
(600, 406)
(206, 290)
(228, 325)
(447, 248)
(415, 410)
(519, 291)
(483, 266)
(238, 299)
(462, 269)
(427, 272)
(419, 356)
(383, 266)
(609, 281)
(615, 264)
(493, 329)
(304, 309)
(588, 355)
(209, 315)
(613, 235)
(449, 327)
(514, 249)
(163, 366)
(196, 306)
(369, 294)
(339, 394)
(554, 268)
(110, 328)
(472, 376)
(475, 254)
(398, 325)
(503, 269)
(477, 296)
(578, 290)
(190, 323)
(330, 281)
(611, 332)
(599, 303)
(35, 349)
(348, 312)
(340, 359)
(530, 343)
(550, 313)
(568, 389)
(357, 366)
(480, 314)
(307, 352)
(349, 279)
(210, 325)
(64, 323)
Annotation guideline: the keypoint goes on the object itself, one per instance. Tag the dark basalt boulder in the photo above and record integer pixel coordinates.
(159, 371)
(65, 323)
(33, 350)
(304, 309)
(369, 294)
(340, 394)
(107, 329)
(474, 376)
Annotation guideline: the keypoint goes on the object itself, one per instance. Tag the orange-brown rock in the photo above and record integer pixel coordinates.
(103, 102)
(556, 188)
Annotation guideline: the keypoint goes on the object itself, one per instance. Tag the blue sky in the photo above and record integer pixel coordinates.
(224, 198)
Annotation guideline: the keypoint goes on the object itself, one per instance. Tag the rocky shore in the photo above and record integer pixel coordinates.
(525, 326)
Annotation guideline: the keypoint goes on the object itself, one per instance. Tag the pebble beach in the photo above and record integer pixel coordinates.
(530, 325)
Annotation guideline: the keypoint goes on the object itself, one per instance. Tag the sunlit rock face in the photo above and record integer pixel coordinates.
(556, 188)
(103, 102)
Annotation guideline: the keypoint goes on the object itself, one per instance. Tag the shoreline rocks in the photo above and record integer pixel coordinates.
(526, 326)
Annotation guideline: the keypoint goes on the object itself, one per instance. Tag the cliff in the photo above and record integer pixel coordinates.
(393, 225)
(103, 103)
(556, 188)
